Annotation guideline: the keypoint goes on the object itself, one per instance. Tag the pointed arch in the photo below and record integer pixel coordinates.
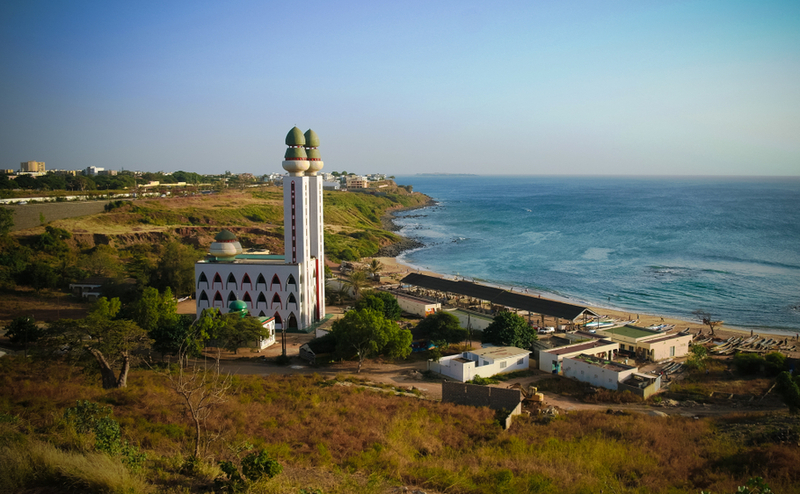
(291, 322)
(231, 281)
(232, 297)
(275, 281)
(291, 281)
(261, 281)
(202, 300)
(248, 300)
(278, 318)
(217, 300)
(217, 279)
(246, 281)
(262, 299)
(261, 314)
(202, 279)
(291, 302)
(276, 300)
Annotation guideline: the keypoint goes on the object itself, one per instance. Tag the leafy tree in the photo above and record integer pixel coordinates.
(366, 332)
(102, 261)
(39, 275)
(441, 326)
(92, 418)
(23, 330)
(111, 342)
(789, 390)
(52, 241)
(175, 269)
(158, 315)
(6, 221)
(697, 357)
(383, 302)
(748, 363)
(509, 329)
(774, 363)
(139, 266)
(238, 332)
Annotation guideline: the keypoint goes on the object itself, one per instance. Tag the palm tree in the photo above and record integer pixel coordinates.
(375, 268)
(358, 281)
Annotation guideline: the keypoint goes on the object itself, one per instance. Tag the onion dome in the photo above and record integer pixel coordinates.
(238, 306)
(312, 140)
(225, 246)
(314, 158)
(295, 137)
(295, 154)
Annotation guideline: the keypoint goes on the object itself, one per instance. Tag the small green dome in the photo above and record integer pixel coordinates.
(311, 138)
(237, 305)
(295, 137)
(225, 235)
(295, 153)
(313, 154)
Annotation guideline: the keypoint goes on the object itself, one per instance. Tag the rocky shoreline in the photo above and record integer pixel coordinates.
(397, 248)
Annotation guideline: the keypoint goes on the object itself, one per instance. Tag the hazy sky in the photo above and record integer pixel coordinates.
(534, 87)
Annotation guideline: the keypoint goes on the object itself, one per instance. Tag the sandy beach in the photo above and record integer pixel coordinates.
(396, 270)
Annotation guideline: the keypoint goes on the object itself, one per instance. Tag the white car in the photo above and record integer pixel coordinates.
(547, 330)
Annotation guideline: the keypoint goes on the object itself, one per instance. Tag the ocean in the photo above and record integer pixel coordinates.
(651, 245)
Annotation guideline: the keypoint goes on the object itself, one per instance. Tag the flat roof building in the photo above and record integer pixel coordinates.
(550, 360)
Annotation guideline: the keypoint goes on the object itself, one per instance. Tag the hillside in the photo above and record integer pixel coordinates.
(352, 220)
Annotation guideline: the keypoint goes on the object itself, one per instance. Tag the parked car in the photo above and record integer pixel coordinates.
(547, 330)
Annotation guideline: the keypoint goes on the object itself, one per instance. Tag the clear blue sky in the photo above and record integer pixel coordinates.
(532, 87)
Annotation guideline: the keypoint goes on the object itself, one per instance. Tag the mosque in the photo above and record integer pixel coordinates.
(289, 288)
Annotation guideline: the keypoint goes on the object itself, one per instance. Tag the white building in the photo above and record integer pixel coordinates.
(417, 306)
(290, 288)
(550, 360)
(597, 371)
(485, 362)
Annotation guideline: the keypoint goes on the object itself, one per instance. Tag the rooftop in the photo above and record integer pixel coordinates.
(670, 337)
(500, 352)
(580, 347)
(630, 332)
(599, 362)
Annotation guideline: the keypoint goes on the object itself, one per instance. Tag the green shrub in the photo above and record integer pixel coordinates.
(748, 363)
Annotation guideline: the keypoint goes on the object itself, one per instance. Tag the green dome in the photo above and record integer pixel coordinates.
(295, 137)
(311, 139)
(313, 154)
(224, 235)
(295, 153)
(237, 305)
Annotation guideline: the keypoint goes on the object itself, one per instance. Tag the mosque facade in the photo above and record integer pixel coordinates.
(289, 288)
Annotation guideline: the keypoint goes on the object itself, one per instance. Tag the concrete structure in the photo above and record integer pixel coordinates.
(483, 396)
(550, 360)
(418, 306)
(356, 182)
(643, 385)
(92, 170)
(647, 344)
(485, 362)
(596, 371)
(668, 346)
(290, 288)
(471, 320)
(32, 166)
(330, 185)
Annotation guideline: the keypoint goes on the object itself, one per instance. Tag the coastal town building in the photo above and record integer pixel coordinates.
(417, 306)
(356, 182)
(484, 362)
(289, 288)
(596, 371)
(551, 360)
(647, 344)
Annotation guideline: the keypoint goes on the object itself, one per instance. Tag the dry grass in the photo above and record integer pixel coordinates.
(343, 439)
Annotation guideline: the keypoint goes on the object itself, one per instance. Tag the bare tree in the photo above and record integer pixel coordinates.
(706, 318)
(203, 390)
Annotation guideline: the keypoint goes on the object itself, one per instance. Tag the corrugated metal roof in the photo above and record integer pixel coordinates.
(499, 296)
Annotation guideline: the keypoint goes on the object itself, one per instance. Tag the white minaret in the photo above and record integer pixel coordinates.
(317, 233)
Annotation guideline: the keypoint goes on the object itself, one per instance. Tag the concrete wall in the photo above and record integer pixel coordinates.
(663, 349)
(546, 359)
(417, 306)
(481, 396)
(595, 375)
(479, 322)
(466, 371)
